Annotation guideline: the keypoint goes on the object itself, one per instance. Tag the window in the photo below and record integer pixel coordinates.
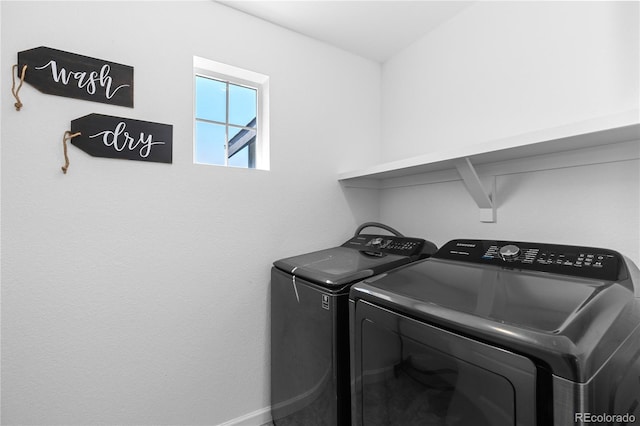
(230, 116)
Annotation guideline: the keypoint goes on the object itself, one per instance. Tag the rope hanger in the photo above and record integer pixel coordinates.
(67, 137)
(15, 91)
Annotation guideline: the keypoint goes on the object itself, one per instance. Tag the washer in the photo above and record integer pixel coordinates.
(499, 333)
(310, 323)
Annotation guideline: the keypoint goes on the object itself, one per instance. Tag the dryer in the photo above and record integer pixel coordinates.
(310, 322)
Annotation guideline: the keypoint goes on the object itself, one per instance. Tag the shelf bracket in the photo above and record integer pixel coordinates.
(477, 190)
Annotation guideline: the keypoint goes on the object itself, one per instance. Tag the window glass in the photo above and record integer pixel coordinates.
(211, 100)
(240, 158)
(242, 106)
(210, 143)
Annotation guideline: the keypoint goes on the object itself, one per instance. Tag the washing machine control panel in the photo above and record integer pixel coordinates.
(589, 262)
(378, 245)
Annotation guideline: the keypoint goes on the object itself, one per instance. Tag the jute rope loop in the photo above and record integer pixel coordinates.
(15, 91)
(67, 137)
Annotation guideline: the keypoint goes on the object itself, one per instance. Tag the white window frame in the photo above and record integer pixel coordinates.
(207, 68)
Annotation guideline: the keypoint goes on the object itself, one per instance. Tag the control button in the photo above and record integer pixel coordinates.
(509, 252)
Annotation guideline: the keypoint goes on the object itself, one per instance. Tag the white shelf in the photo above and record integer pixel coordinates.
(586, 134)
(604, 137)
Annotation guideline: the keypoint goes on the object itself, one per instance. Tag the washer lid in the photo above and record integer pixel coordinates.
(533, 301)
(572, 323)
(338, 266)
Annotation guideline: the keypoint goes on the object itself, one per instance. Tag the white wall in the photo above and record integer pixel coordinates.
(500, 69)
(137, 293)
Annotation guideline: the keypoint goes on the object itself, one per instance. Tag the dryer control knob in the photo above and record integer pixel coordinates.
(509, 252)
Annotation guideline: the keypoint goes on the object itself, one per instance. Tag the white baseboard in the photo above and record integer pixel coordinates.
(255, 418)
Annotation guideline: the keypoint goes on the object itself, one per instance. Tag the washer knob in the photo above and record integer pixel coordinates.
(376, 242)
(509, 252)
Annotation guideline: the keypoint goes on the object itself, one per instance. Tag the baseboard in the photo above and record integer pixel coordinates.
(258, 417)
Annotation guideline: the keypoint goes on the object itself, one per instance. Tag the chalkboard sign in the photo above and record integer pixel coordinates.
(56, 72)
(115, 137)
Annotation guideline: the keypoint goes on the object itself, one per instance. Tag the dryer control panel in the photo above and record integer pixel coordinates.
(379, 245)
(588, 262)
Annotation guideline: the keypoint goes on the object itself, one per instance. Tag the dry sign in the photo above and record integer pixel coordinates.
(115, 137)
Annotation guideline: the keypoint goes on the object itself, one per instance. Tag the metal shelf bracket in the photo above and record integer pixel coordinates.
(483, 198)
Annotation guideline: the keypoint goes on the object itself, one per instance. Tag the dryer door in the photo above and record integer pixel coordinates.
(408, 373)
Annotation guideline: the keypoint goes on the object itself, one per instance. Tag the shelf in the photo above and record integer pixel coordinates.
(461, 163)
(597, 132)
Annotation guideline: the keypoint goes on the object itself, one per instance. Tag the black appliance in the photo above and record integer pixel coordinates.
(499, 333)
(310, 323)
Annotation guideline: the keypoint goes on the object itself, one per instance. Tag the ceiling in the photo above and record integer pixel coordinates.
(374, 29)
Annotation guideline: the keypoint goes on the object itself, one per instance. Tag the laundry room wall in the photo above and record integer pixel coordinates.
(501, 69)
(137, 293)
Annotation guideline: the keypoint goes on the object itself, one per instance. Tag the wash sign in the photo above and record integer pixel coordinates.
(56, 72)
